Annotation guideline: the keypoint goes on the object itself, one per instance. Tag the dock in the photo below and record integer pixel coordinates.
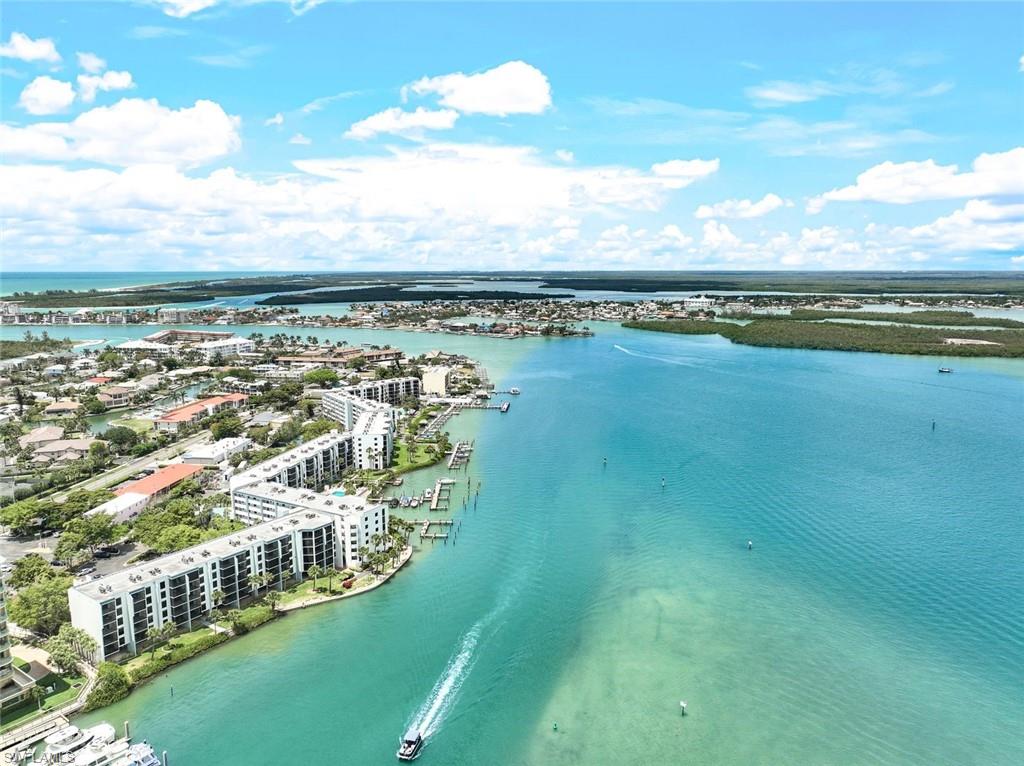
(460, 455)
(442, 495)
(426, 524)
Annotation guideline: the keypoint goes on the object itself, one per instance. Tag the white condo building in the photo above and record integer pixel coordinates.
(226, 347)
(388, 390)
(15, 685)
(347, 408)
(118, 610)
(436, 380)
(310, 465)
(373, 440)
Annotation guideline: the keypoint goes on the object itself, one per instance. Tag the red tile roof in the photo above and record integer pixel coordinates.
(187, 412)
(163, 479)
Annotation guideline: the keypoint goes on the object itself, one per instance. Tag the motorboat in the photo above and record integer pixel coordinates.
(410, 746)
(63, 743)
(514, 391)
(945, 369)
(505, 406)
(415, 502)
(98, 753)
(428, 493)
(140, 754)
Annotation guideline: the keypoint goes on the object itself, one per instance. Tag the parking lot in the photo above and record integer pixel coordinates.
(13, 548)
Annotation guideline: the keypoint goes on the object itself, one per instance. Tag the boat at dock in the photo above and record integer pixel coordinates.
(945, 369)
(410, 746)
(141, 754)
(414, 502)
(504, 406)
(63, 745)
(514, 391)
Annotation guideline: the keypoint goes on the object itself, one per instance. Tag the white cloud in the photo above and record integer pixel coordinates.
(742, 208)
(24, 48)
(277, 119)
(90, 62)
(44, 95)
(906, 182)
(680, 173)
(300, 140)
(1020, 64)
(89, 84)
(181, 9)
(718, 235)
(401, 123)
(317, 104)
(132, 131)
(565, 155)
(511, 88)
(782, 93)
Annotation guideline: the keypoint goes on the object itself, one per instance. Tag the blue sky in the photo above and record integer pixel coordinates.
(205, 134)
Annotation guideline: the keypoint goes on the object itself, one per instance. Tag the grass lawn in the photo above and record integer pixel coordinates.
(136, 424)
(404, 461)
(184, 639)
(305, 589)
(65, 689)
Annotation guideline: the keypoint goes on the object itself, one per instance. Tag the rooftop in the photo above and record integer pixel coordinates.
(161, 480)
(335, 505)
(190, 558)
(186, 412)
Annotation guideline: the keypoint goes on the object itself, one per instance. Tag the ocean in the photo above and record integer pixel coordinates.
(876, 619)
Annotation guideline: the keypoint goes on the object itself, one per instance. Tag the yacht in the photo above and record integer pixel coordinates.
(140, 754)
(98, 753)
(63, 743)
(410, 747)
(945, 369)
(514, 391)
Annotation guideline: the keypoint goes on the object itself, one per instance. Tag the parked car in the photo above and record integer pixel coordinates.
(87, 570)
(102, 554)
(113, 550)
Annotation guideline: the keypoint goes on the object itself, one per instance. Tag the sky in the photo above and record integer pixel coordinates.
(277, 135)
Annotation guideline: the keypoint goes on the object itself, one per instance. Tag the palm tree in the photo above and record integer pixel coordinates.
(331, 571)
(153, 634)
(314, 572)
(217, 598)
(285, 576)
(38, 694)
(273, 598)
(364, 554)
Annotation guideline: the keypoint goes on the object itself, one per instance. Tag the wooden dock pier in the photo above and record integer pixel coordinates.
(460, 455)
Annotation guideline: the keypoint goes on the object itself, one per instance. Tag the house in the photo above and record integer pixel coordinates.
(187, 414)
(115, 396)
(41, 436)
(63, 450)
(217, 452)
(55, 370)
(122, 507)
(61, 408)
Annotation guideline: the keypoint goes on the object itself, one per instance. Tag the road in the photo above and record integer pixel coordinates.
(129, 469)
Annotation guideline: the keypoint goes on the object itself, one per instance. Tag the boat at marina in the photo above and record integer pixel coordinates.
(61, 746)
(505, 406)
(945, 369)
(414, 502)
(428, 493)
(140, 754)
(410, 746)
(514, 391)
(98, 753)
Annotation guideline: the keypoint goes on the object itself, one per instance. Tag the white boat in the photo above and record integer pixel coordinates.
(410, 746)
(428, 493)
(414, 502)
(140, 754)
(98, 753)
(514, 391)
(64, 742)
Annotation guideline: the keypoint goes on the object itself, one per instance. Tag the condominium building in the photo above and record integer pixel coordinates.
(388, 390)
(173, 316)
(436, 380)
(356, 521)
(373, 440)
(183, 587)
(347, 408)
(226, 348)
(310, 465)
(187, 414)
(15, 685)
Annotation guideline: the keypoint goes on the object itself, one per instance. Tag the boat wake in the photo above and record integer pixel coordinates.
(682, 362)
(442, 697)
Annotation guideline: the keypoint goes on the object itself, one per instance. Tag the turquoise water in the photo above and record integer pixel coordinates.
(876, 620)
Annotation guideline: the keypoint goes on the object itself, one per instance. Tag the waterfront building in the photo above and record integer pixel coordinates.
(310, 465)
(373, 440)
(356, 522)
(436, 380)
(144, 346)
(188, 414)
(187, 337)
(347, 408)
(387, 390)
(118, 610)
(698, 303)
(116, 396)
(15, 684)
(173, 316)
(226, 348)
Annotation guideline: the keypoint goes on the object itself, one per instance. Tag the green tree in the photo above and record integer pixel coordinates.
(176, 537)
(226, 427)
(93, 405)
(317, 428)
(29, 569)
(273, 598)
(121, 438)
(42, 607)
(315, 572)
(325, 378)
(37, 694)
(24, 517)
(63, 656)
(112, 685)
